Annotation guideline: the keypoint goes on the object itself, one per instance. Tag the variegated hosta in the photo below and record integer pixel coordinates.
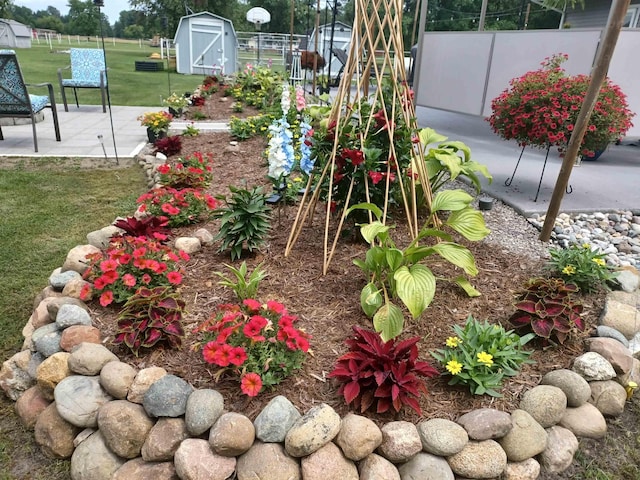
(547, 307)
(396, 273)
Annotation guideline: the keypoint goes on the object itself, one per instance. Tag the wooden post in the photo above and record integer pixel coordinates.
(598, 74)
(483, 15)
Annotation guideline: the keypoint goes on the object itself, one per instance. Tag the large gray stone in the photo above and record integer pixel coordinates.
(14, 375)
(167, 397)
(426, 466)
(608, 332)
(593, 366)
(46, 339)
(526, 439)
(574, 386)
(232, 435)
(275, 420)
(328, 462)
(486, 423)
(585, 421)
(267, 461)
(92, 460)
(400, 441)
(485, 459)
(620, 316)
(562, 444)
(89, 358)
(358, 437)
(77, 258)
(442, 437)
(204, 407)
(124, 426)
(116, 378)
(79, 398)
(314, 429)
(545, 403)
(59, 279)
(70, 314)
(609, 397)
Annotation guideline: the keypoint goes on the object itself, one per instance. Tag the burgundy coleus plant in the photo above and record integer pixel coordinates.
(381, 374)
(151, 227)
(548, 308)
(169, 145)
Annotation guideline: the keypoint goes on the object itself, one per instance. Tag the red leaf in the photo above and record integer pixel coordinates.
(351, 391)
(413, 403)
(174, 329)
(395, 392)
(380, 377)
(383, 405)
(366, 400)
(153, 336)
(542, 327)
(526, 306)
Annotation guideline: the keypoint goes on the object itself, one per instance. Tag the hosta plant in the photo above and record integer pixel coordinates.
(150, 318)
(397, 273)
(129, 263)
(194, 171)
(259, 343)
(381, 375)
(242, 286)
(169, 145)
(151, 227)
(582, 266)
(244, 220)
(182, 207)
(548, 307)
(480, 355)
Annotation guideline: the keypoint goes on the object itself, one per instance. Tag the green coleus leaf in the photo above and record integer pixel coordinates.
(453, 200)
(469, 223)
(416, 286)
(458, 255)
(370, 299)
(388, 321)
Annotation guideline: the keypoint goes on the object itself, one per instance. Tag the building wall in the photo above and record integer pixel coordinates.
(594, 14)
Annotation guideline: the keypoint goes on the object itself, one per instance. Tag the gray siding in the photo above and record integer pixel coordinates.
(594, 14)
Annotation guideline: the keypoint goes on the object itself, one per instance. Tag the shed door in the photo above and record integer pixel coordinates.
(206, 46)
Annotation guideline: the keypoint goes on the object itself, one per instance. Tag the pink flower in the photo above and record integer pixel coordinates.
(237, 356)
(251, 384)
(175, 278)
(376, 177)
(129, 280)
(252, 305)
(106, 298)
(276, 307)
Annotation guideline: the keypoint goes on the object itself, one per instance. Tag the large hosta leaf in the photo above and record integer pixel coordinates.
(370, 299)
(388, 321)
(458, 255)
(373, 229)
(463, 283)
(469, 223)
(416, 287)
(429, 135)
(451, 200)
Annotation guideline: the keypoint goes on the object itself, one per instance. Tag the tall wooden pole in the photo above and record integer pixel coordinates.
(483, 15)
(598, 75)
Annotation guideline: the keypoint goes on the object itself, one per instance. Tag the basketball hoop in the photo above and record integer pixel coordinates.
(258, 16)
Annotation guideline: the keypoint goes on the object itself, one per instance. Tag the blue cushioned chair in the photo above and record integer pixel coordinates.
(87, 71)
(15, 101)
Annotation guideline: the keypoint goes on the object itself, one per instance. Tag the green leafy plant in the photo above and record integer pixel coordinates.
(481, 355)
(244, 221)
(242, 129)
(548, 307)
(151, 317)
(198, 114)
(190, 131)
(176, 102)
(397, 273)
(582, 266)
(259, 343)
(194, 171)
(379, 374)
(237, 107)
(182, 207)
(242, 286)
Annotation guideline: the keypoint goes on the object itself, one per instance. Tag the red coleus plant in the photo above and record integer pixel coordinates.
(181, 206)
(547, 307)
(128, 264)
(152, 317)
(169, 145)
(194, 171)
(257, 342)
(381, 374)
(150, 227)
(541, 107)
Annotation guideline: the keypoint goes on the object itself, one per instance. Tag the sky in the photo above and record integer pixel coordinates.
(111, 9)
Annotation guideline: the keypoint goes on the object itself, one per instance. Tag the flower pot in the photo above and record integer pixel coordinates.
(153, 136)
(176, 112)
(596, 155)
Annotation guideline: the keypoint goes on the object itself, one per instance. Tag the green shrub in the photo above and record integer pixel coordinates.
(582, 266)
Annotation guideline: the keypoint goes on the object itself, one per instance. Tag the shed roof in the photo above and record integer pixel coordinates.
(203, 14)
(18, 29)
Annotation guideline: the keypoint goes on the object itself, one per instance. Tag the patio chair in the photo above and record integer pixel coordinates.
(87, 71)
(15, 101)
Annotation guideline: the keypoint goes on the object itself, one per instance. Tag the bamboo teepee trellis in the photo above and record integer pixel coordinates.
(376, 53)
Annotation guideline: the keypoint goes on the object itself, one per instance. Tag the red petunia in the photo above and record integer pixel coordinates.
(175, 278)
(129, 280)
(276, 307)
(252, 305)
(106, 298)
(237, 356)
(251, 384)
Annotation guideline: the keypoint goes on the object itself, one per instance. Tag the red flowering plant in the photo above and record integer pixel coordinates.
(364, 152)
(257, 342)
(181, 206)
(541, 107)
(194, 171)
(129, 263)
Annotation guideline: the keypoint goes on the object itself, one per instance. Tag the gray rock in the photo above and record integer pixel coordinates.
(314, 429)
(164, 439)
(425, 465)
(485, 459)
(609, 397)
(34, 362)
(526, 439)
(358, 437)
(442, 437)
(620, 316)
(188, 244)
(92, 460)
(268, 461)
(232, 435)
(608, 332)
(138, 469)
(59, 279)
(275, 420)
(101, 238)
(143, 380)
(116, 378)
(545, 403)
(486, 423)
(528, 469)
(70, 314)
(15, 378)
(613, 351)
(629, 281)
(574, 386)
(562, 445)
(124, 426)
(53, 434)
(593, 366)
(375, 467)
(204, 236)
(204, 407)
(167, 397)
(89, 358)
(80, 413)
(77, 258)
(46, 339)
(585, 421)
(328, 462)
(194, 460)
(400, 441)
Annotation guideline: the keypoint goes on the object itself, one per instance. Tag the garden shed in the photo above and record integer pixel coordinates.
(14, 34)
(595, 14)
(205, 44)
(341, 41)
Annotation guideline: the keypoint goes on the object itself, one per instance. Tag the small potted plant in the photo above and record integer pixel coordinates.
(176, 103)
(541, 107)
(157, 124)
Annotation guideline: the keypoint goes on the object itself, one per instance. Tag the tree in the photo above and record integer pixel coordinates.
(83, 18)
(133, 31)
(50, 23)
(5, 8)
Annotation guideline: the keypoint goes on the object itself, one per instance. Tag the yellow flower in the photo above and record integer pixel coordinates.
(599, 261)
(484, 357)
(569, 270)
(586, 245)
(454, 367)
(453, 342)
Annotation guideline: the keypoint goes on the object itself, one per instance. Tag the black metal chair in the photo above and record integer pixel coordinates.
(16, 102)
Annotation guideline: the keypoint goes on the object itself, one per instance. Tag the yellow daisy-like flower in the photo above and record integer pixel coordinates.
(454, 367)
(599, 261)
(569, 270)
(586, 245)
(486, 358)
(453, 342)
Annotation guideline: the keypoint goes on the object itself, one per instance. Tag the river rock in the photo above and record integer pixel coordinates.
(328, 462)
(204, 407)
(613, 351)
(485, 459)
(92, 460)
(188, 244)
(593, 366)
(358, 437)
(138, 469)
(194, 460)
(70, 314)
(59, 279)
(78, 334)
(54, 434)
(314, 429)
(528, 469)
(526, 439)
(77, 258)
(486, 423)
(628, 280)
(167, 397)
(268, 461)
(275, 419)
(124, 426)
(585, 421)
(89, 358)
(400, 441)
(609, 397)
(85, 413)
(164, 439)
(575, 387)
(425, 465)
(620, 316)
(442, 437)
(31, 404)
(562, 445)
(142, 381)
(608, 332)
(101, 238)
(116, 378)
(14, 375)
(232, 435)
(46, 339)
(375, 467)
(51, 372)
(545, 403)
